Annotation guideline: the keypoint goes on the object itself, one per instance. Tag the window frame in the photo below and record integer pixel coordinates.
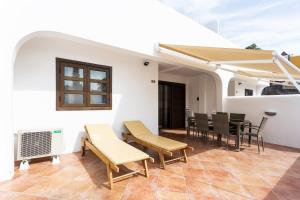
(87, 67)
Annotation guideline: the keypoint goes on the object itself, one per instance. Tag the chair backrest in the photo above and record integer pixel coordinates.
(201, 120)
(191, 121)
(188, 113)
(262, 125)
(222, 113)
(237, 117)
(220, 124)
(137, 128)
(100, 133)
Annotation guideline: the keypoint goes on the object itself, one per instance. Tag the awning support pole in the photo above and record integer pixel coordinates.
(280, 57)
(286, 73)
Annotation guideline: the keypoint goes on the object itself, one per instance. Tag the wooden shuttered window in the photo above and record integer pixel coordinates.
(83, 86)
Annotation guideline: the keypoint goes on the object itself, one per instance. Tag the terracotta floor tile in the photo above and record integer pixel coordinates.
(20, 184)
(196, 187)
(218, 174)
(259, 193)
(8, 195)
(46, 186)
(103, 193)
(203, 197)
(172, 171)
(211, 173)
(72, 190)
(252, 180)
(193, 172)
(229, 195)
(29, 197)
(148, 184)
(286, 193)
(169, 195)
(172, 184)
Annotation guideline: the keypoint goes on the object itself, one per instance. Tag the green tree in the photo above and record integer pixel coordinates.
(253, 46)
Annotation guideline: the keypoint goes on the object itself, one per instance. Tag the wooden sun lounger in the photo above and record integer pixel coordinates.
(162, 145)
(112, 151)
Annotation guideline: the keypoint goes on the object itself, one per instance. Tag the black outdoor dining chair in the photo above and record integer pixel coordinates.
(258, 132)
(201, 124)
(222, 113)
(191, 126)
(221, 126)
(235, 117)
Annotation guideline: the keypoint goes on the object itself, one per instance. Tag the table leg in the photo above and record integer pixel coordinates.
(249, 139)
(238, 137)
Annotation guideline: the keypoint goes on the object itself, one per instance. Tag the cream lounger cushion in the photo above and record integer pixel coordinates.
(139, 131)
(117, 151)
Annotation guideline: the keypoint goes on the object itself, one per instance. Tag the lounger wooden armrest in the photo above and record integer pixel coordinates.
(102, 141)
(163, 146)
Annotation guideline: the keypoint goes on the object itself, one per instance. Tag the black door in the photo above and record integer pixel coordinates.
(171, 105)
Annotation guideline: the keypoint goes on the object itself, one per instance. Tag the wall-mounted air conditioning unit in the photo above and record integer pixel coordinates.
(37, 144)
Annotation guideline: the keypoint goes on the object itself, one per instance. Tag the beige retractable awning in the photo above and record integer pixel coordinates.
(252, 63)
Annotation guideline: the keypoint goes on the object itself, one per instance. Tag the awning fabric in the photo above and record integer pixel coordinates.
(296, 60)
(253, 63)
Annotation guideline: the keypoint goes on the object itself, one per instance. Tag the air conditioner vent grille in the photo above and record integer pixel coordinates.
(36, 144)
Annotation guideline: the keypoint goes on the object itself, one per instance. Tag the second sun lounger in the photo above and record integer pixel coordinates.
(162, 145)
(112, 151)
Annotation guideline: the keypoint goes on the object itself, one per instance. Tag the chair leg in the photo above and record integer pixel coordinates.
(146, 168)
(262, 143)
(193, 133)
(184, 155)
(109, 176)
(227, 142)
(249, 141)
(162, 160)
(242, 140)
(258, 144)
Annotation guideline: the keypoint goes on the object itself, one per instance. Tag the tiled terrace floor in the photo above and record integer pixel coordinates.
(211, 173)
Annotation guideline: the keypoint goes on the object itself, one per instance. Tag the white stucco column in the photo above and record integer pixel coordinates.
(6, 88)
(225, 77)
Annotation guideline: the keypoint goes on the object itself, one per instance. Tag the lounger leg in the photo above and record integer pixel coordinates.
(162, 160)
(184, 155)
(258, 144)
(83, 149)
(146, 168)
(262, 142)
(109, 176)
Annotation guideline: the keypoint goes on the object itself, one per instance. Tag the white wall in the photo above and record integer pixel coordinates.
(240, 87)
(204, 87)
(134, 96)
(282, 129)
(237, 87)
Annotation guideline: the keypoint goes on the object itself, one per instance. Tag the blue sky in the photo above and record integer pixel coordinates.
(271, 24)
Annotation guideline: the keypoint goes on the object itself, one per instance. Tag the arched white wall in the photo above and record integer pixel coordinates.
(34, 104)
(130, 24)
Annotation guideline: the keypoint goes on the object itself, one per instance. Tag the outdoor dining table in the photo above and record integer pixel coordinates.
(238, 125)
